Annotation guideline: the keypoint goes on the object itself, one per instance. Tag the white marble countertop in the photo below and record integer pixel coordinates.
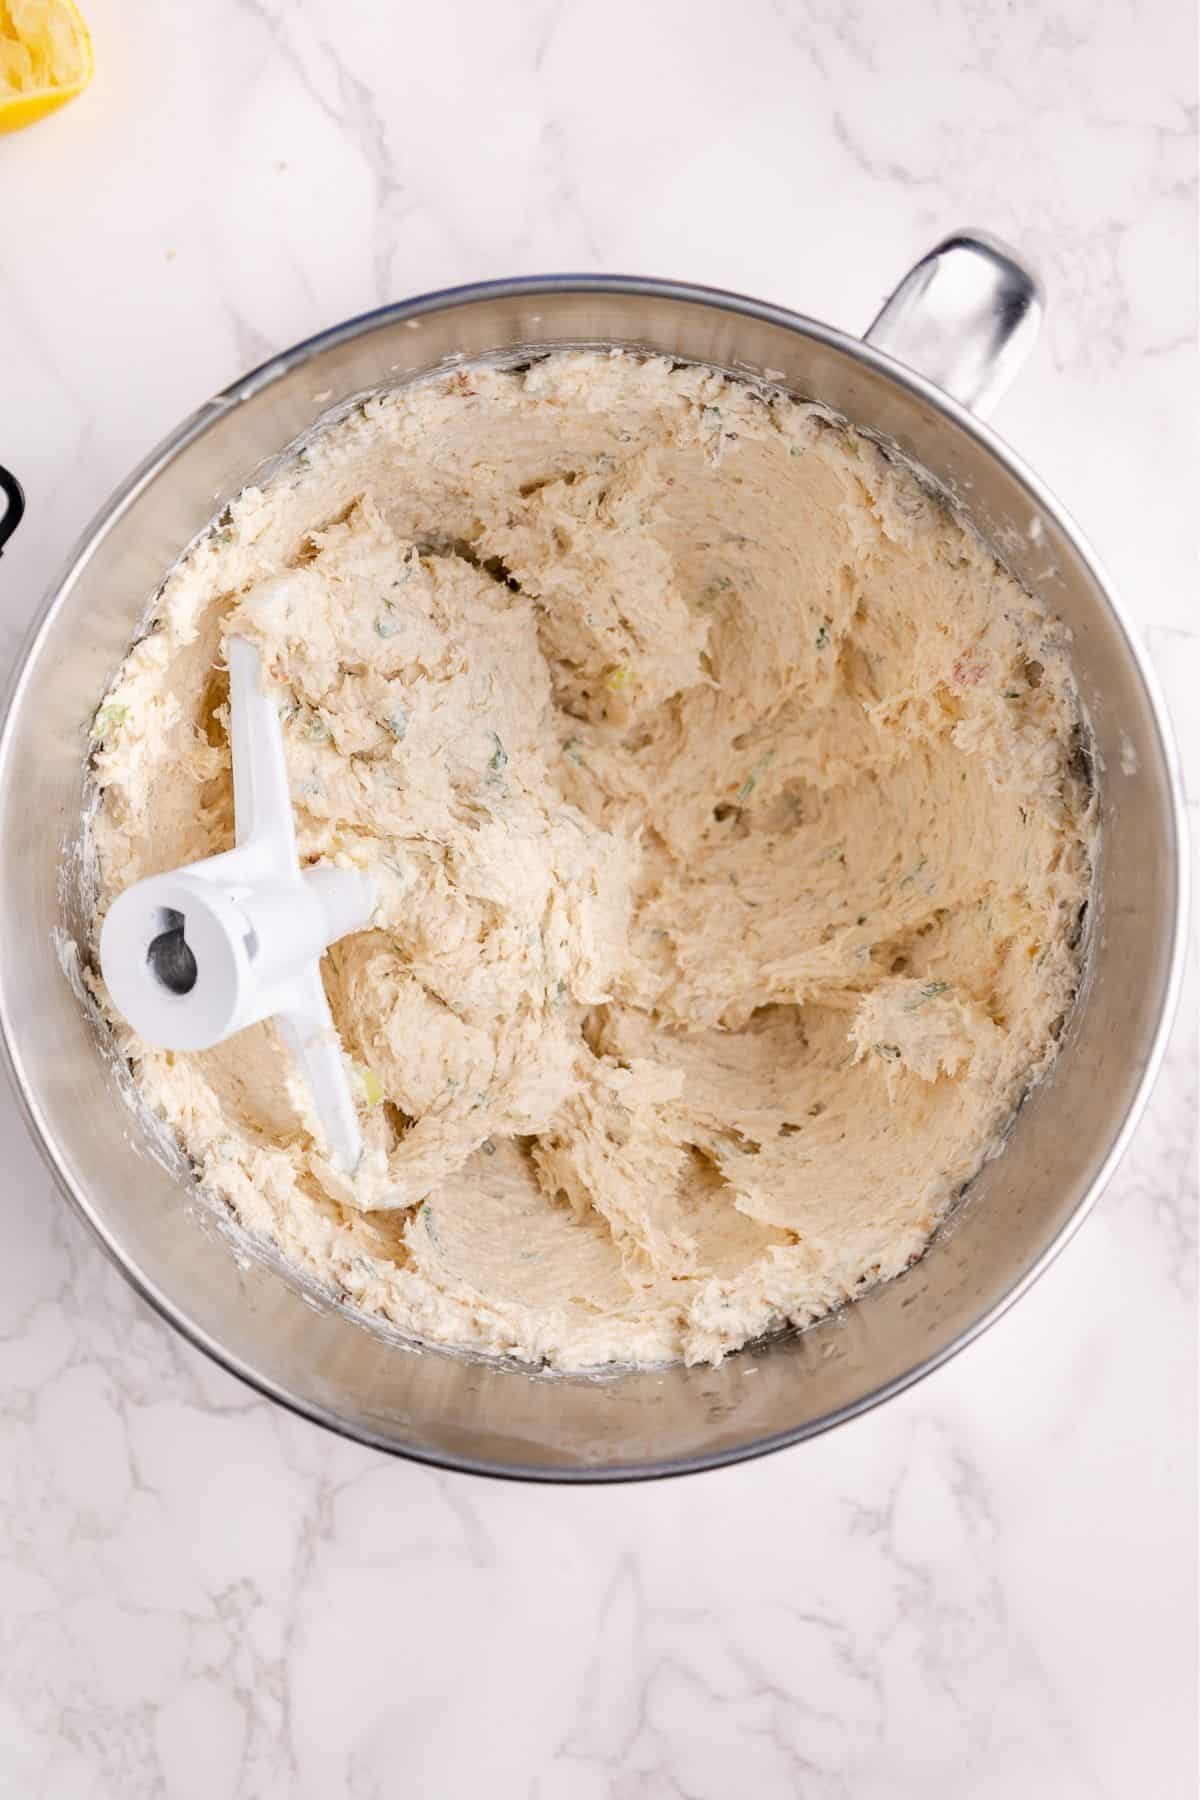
(987, 1587)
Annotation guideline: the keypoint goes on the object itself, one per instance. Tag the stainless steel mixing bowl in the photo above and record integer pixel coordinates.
(963, 317)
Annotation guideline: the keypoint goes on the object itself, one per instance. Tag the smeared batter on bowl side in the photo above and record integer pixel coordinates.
(730, 834)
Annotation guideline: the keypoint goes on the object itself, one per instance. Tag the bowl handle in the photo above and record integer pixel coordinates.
(14, 506)
(965, 317)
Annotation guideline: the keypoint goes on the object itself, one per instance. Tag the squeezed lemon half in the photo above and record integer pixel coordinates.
(45, 59)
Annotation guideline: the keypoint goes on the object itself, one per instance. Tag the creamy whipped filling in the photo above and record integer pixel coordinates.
(730, 832)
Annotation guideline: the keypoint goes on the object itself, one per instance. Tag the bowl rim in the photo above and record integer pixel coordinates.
(195, 425)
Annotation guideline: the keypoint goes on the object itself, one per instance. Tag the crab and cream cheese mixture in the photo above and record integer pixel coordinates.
(730, 830)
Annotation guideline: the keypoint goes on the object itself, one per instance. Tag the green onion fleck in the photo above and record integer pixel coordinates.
(751, 781)
(372, 1087)
(109, 718)
(930, 991)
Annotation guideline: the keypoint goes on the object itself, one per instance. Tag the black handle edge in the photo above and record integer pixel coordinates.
(14, 507)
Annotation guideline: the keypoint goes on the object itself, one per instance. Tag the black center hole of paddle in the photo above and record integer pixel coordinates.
(170, 955)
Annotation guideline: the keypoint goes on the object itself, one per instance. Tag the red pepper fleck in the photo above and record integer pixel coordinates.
(969, 671)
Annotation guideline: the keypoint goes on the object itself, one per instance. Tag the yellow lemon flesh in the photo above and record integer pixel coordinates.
(45, 59)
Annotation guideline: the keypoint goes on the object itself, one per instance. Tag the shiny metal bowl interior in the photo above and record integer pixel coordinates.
(303, 1348)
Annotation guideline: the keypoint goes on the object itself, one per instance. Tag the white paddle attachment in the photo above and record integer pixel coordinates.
(192, 956)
